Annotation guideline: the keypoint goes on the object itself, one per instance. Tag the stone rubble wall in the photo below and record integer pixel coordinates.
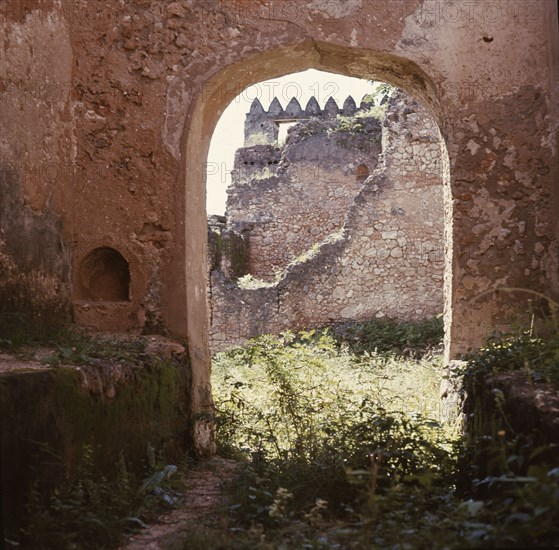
(289, 198)
(386, 260)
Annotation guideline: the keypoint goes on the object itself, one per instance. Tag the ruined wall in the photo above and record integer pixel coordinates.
(288, 197)
(36, 146)
(387, 261)
(149, 79)
(117, 409)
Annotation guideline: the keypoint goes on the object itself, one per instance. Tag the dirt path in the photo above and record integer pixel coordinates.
(205, 494)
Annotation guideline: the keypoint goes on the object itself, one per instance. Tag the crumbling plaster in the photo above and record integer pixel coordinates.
(149, 80)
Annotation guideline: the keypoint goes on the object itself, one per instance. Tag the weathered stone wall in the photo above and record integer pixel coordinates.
(387, 261)
(288, 198)
(148, 80)
(49, 416)
(36, 146)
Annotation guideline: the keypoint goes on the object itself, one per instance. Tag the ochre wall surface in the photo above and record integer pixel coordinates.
(119, 100)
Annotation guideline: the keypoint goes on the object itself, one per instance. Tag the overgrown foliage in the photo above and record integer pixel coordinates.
(536, 356)
(325, 432)
(342, 451)
(341, 448)
(407, 339)
(96, 510)
(75, 347)
(351, 132)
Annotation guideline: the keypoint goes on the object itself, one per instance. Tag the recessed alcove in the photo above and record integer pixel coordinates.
(362, 173)
(104, 276)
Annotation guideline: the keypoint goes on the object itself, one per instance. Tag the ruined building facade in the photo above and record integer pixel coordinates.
(378, 254)
(108, 109)
(289, 197)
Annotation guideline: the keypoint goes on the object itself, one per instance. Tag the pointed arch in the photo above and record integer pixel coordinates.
(201, 120)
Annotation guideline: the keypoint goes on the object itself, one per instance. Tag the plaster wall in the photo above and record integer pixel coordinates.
(138, 88)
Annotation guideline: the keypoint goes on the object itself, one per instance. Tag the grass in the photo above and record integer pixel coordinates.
(341, 447)
(312, 419)
(338, 435)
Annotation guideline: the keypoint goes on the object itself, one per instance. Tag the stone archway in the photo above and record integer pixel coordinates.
(201, 120)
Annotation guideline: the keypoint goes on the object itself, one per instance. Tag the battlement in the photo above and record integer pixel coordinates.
(262, 127)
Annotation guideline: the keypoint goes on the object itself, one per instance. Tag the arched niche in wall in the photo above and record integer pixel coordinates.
(104, 275)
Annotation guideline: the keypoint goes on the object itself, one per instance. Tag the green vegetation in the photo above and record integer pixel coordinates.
(405, 339)
(341, 447)
(338, 436)
(249, 282)
(75, 347)
(537, 357)
(357, 132)
(94, 511)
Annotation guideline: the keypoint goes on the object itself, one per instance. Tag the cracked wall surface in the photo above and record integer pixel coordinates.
(135, 90)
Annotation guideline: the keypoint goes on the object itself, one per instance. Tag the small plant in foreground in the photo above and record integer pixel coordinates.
(94, 511)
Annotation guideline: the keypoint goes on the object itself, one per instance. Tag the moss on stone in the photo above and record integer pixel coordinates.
(49, 416)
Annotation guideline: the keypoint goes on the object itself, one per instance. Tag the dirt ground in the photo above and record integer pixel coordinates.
(205, 496)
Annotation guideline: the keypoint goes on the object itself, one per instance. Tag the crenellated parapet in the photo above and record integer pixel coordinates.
(262, 127)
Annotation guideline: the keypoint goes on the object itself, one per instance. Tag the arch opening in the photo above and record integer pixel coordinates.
(202, 117)
(355, 193)
(103, 276)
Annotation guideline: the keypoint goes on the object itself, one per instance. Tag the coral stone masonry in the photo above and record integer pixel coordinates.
(292, 196)
(108, 108)
(344, 245)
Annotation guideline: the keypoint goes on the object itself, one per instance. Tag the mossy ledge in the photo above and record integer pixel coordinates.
(49, 415)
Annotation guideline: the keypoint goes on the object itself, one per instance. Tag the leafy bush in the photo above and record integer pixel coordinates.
(388, 336)
(341, 450)
(311, 417)
(538, 357)
(94, 511)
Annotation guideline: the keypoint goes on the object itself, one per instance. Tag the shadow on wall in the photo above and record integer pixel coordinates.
(104, 275)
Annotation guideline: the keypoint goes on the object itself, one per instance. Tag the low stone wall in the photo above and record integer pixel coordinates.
(48, 416)
(376, 267)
